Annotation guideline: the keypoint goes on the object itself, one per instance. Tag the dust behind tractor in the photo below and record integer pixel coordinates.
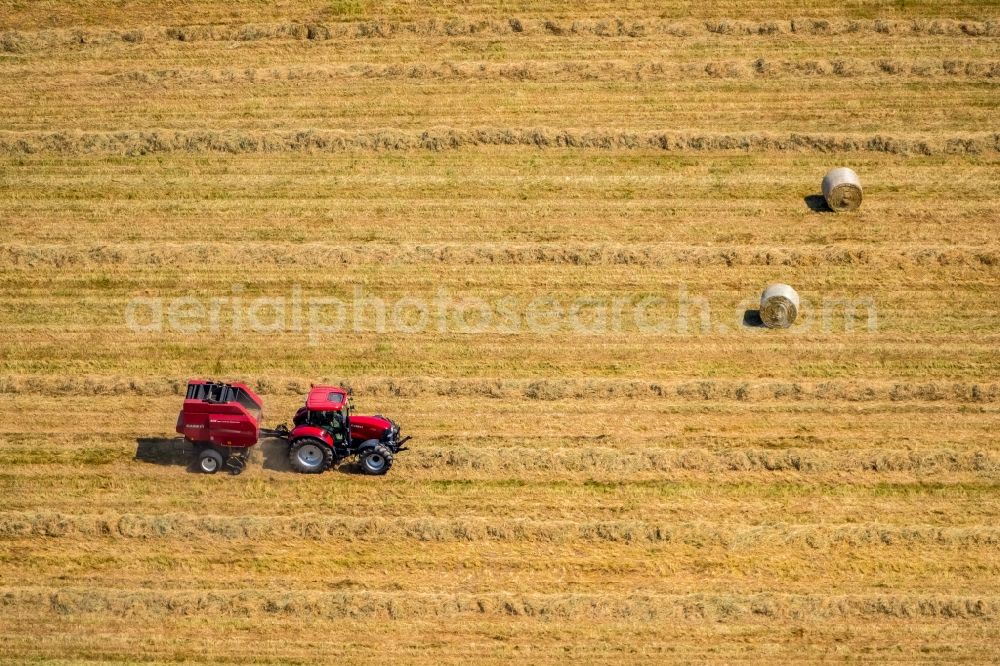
(222, 421)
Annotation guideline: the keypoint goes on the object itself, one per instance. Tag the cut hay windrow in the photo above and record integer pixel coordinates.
(20, 41)
(709, 390)
(280, 255)
(95, 447)
(318, 527)
(536, 70)
(653, 461)
(144, 142)
(67, 602)
(609, 462)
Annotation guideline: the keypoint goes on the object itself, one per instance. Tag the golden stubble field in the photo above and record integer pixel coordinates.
(595, 490)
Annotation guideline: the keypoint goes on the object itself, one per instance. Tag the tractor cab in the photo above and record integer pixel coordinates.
(329, 408)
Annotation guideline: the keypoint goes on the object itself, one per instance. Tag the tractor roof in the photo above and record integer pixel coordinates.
(326, 398)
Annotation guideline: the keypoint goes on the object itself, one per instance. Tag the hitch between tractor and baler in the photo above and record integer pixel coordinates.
(280, 432)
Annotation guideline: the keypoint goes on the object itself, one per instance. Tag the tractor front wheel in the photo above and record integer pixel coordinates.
(210, 461)
(376, 461)
(310, 456)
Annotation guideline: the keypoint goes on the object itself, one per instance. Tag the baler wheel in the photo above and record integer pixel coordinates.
(310, 456)
(210, 461)
(376, 461)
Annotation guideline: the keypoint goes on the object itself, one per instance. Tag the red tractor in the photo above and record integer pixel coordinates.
(223, 423)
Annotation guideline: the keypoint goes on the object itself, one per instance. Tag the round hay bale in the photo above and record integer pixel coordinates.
(842, 189)
(779, 306)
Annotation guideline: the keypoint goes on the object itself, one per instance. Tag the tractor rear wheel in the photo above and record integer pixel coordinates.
(375, 461)
(310, 456)
(210, 461)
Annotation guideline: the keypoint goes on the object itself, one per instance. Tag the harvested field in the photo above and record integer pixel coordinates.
(647, 475)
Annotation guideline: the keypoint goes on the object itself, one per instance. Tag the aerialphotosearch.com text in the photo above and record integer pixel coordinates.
(677, 311)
